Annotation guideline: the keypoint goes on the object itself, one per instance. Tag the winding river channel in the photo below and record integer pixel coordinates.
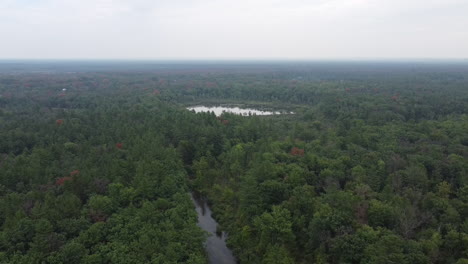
(215, 245)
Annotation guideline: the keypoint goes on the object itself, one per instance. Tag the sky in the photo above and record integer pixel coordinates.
(233, 29)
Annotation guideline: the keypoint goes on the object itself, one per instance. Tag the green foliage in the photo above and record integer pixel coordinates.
(378, 173)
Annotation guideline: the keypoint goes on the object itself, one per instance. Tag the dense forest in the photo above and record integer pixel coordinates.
(97, 163)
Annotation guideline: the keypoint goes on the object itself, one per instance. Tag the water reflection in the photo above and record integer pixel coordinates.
(218, 252)
(218, 110)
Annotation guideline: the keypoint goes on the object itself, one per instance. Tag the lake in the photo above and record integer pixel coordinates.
(219, 110)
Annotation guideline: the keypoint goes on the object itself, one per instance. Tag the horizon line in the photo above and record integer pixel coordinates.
(357, 59)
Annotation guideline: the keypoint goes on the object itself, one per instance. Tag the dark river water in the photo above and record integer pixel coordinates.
(218, 252)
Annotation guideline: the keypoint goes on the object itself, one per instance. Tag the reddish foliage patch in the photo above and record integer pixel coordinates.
(97, 216)
(156, 92)
(28, 205)
(100, 185)
(59, 122)
(361, 213)
(211, 85)
(347, 89)
(222, 120)
(61, 181)
(119, 145)
(297, 151)
(75, 172)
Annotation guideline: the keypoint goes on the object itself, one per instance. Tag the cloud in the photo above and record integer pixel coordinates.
(233, 29)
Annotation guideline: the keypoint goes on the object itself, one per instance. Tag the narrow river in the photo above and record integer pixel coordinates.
(218, 252)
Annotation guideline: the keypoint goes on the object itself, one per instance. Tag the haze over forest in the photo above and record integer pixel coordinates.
(243, 29)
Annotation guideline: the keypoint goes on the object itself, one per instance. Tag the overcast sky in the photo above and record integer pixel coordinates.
(233, 29)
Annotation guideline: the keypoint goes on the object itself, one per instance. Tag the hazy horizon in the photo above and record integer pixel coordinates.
(221, 30)
(235, 60)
